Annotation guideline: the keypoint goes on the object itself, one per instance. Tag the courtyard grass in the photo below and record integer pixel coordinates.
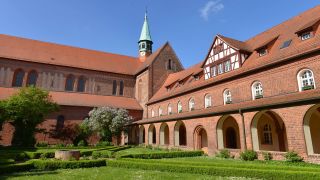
(110, 173)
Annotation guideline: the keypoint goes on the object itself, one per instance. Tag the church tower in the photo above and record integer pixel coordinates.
(145, 42)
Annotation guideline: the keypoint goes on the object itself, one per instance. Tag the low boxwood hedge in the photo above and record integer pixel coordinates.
(216, 171)
(56, 164)
(160, 155)
(102, 154)
(11, 168)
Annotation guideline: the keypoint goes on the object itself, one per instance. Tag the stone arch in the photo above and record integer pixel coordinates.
(142, 135)
(180, 134)
(311, 126)
(152, 134)
(228, 134)
(268, 132)
(200, 138)
(164, 134)
(134, 135)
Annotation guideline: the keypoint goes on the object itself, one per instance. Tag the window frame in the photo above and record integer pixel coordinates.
(169, 109)
(303, 35)
(301, 80)
(179, 107)
(29, 82)
(257, 93)
(227, 98)
(17, 75)
(207, 102)
(72, 79)
(191, 104)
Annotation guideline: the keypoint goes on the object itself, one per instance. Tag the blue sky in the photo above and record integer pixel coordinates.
(114, 26)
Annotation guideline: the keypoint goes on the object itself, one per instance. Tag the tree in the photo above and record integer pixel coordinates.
(107, 122)
(25, 110)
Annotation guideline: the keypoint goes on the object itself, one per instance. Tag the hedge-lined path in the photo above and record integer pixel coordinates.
(103, 173)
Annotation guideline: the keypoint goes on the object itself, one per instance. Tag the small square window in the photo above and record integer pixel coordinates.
(286, 44)
(263, 52)
(306, 36)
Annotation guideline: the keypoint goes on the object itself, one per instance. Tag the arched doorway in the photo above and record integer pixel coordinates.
(134, 135)
(152, 134)
(268, 132)
(311, 126)
(180, 134)
(228, 135)
(200, 138)
(164, 134)
(142, 135)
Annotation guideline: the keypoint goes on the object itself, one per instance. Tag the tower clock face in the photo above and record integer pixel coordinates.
(142, 53)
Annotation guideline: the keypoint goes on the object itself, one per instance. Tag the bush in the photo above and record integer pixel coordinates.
(160, 155)
(16, 167)
(248, 155)
(82, 143)
(42, 144)
(6, 161)
(223, 154)
(267, 156)
(20, 157)
(292, 156)
(101, 154)
(103, 143)
(59, 145)
(55, 164)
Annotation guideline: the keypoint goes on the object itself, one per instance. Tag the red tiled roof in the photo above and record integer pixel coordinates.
(88, 100)
(236, 43)
(295, 97)
(307, 25)
(284, 31)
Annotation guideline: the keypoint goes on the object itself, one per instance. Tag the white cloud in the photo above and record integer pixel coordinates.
(211, 7)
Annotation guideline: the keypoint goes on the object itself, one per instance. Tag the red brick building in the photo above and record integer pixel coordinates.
(258, 94)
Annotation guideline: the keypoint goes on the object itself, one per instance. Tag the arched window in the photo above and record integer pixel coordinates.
(81, 84)
(121, 88)
(70, 83)
(227, 97)
(207, 101)
(152, 113)
(169, 109)
(160, 111)
(114, 87)
(267, 134)
(179, 107)
(306, 80)
(18, 78)
(257, 91)
(32, 78)
(60, 122)
(191, 104)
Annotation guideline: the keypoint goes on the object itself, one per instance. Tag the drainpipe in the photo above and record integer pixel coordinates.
(243, 130)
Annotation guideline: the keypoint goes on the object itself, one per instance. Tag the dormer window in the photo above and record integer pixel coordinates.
(227, 66)
(263, 52)
(305, 36)
(196, 77)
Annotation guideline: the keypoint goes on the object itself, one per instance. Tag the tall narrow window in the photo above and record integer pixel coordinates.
(169, 65)
(213, 71)
(121, 88)
(32, 78)
(179, 107)
(257, 91)
(18, 78)
(227, 66)
(267, 134)
(169, 109)
(227, 97)
(207, 101)
(60, 122)
(81, 84)
(70, 83)
(160, 111)
(114, 87)
(220, 68)
(152, 113)
(306, 80)
(191, 104)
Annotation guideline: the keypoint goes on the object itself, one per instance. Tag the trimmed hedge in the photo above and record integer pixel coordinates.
(102, 154)
(160, 155)
(55, 164)
(11, 168)
(216, 171)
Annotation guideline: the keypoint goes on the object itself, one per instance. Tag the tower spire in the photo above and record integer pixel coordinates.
(145, 41)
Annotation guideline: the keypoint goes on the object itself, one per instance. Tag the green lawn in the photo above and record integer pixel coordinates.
(137, 150)
(108, 173)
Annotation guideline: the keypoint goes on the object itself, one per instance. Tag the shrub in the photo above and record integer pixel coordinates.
(6, 161)
(292, 156)
(50, 164)
(82, 143)
(267, 156)
(16, 167)
(42, 144)
(69, 145)
(160, 155)
(20, 157)
(103, 143)
(59, 145)
(224, 154)
(248, 155)
(101, 154)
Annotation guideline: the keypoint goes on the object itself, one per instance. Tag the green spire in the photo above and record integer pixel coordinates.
(145, 32)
